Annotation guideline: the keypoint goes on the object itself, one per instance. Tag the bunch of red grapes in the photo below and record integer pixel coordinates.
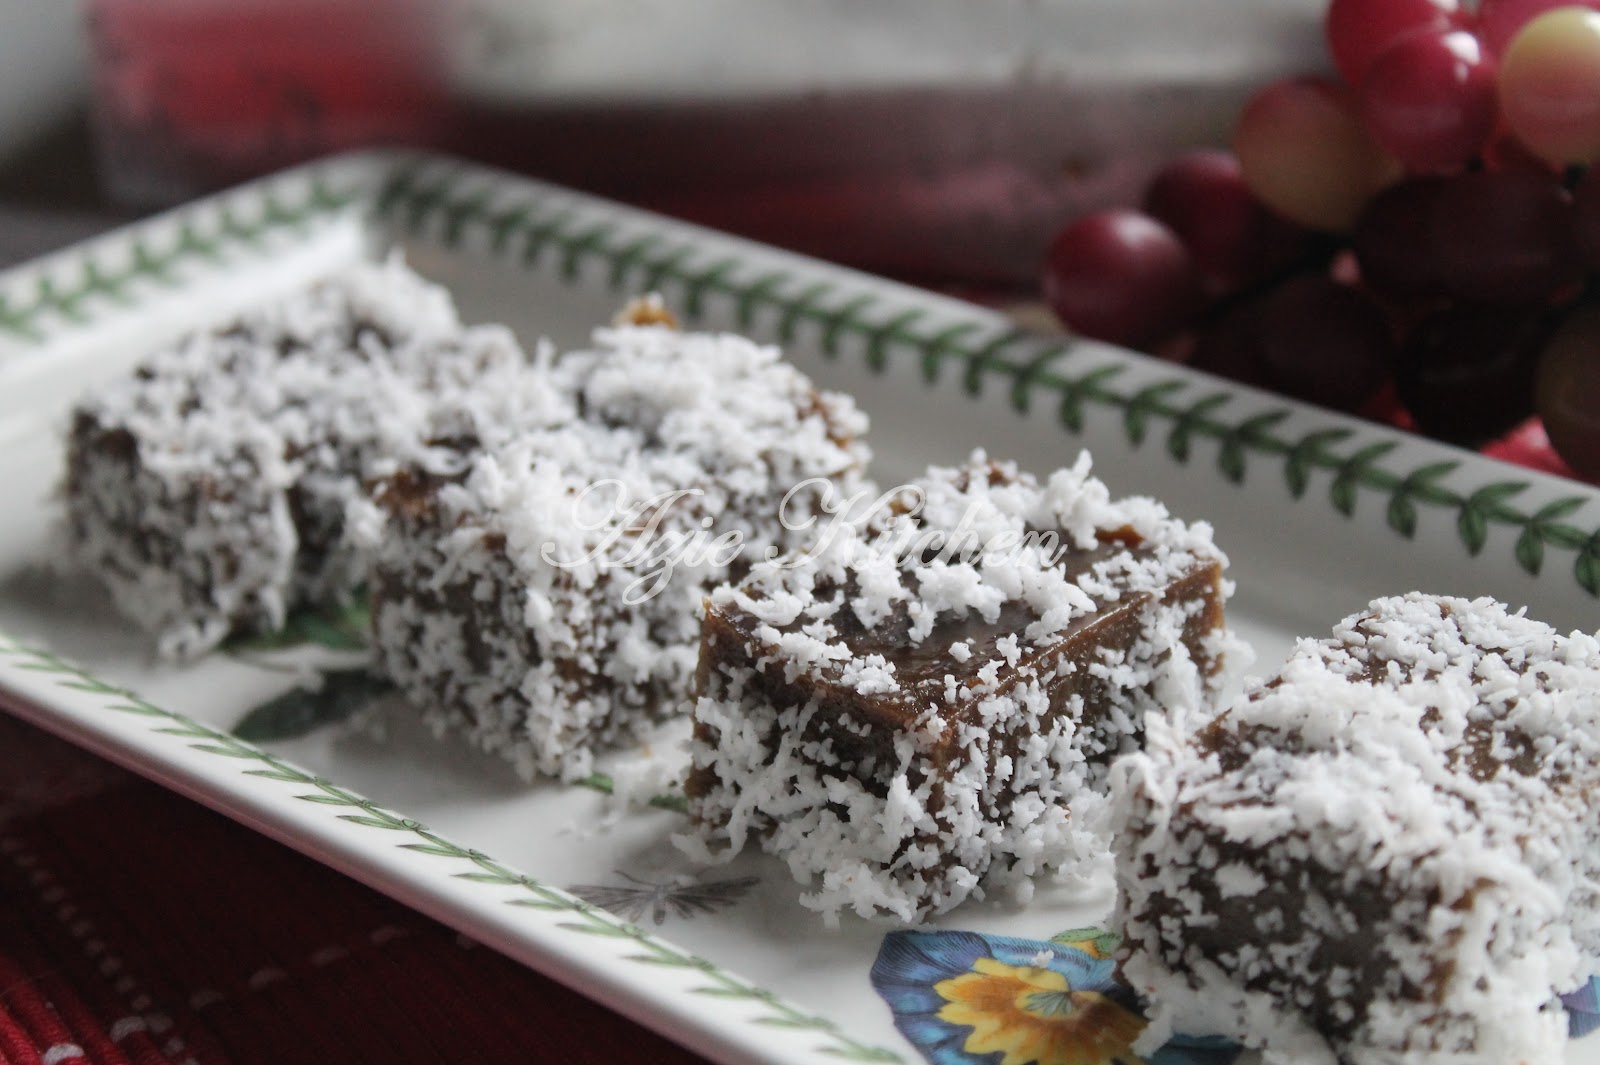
(1424, 229)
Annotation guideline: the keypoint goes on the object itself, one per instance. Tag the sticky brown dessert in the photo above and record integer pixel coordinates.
(208, 488)
(1386, 853)
(922, 705)
(545, 599)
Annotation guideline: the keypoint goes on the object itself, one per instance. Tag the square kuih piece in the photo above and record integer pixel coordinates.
(922, 706)
(544, 601)
(1386, 854)
(208, 488)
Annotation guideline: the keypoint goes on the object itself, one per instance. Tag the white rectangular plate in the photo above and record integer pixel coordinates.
(1318, 512)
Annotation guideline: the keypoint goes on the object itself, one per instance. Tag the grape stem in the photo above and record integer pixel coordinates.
(1324, 249)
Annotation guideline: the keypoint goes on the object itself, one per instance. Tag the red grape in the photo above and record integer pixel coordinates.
(1359, 31)
(1306, 154)
(1499, 20)
(1505, 152)
(1505, 238)
(1231, 237)
(1550, 85)
(1586, 199)
(1430, 100)
(1393, 240)
(1324, 342)
(1466, 373)
(1567, 394)
(1229, 344)
(1120, 276)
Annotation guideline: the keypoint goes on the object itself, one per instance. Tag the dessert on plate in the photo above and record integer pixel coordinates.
(545, 599)
(536, 533)
(922, 705)
(1385, 853)
(208, 488)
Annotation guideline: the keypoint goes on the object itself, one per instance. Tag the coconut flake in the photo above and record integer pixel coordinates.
(1414, 791)
(985, 782)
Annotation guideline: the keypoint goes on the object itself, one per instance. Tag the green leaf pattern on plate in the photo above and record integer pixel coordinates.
(342, 628)
(418, 194)
(580, 917)
(340, 695)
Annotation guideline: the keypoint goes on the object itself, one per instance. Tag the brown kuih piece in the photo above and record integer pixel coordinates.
(1385, 854)
(544, 600)
(208, 488)
(923, 705)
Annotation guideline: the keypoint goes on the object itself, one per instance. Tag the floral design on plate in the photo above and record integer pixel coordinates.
(1583, 1008)
(963, 998)
(679, 897)
(334, 696)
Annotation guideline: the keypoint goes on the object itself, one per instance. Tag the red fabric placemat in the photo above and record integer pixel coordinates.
(137, 928)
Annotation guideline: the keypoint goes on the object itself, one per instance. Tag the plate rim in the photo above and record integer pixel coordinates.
(465, 206)
(175, 746)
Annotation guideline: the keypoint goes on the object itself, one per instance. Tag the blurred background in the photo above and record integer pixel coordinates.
(1382, 206)
(938, 140)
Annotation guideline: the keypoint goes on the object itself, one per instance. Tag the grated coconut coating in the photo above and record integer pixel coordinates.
(1387, 854)
(504, 604)
(208, 489)
(887, 793)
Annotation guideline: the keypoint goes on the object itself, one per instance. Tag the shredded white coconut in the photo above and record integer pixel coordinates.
(208, 489)
(1387, 853)
(832, 728)
(511, 606)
